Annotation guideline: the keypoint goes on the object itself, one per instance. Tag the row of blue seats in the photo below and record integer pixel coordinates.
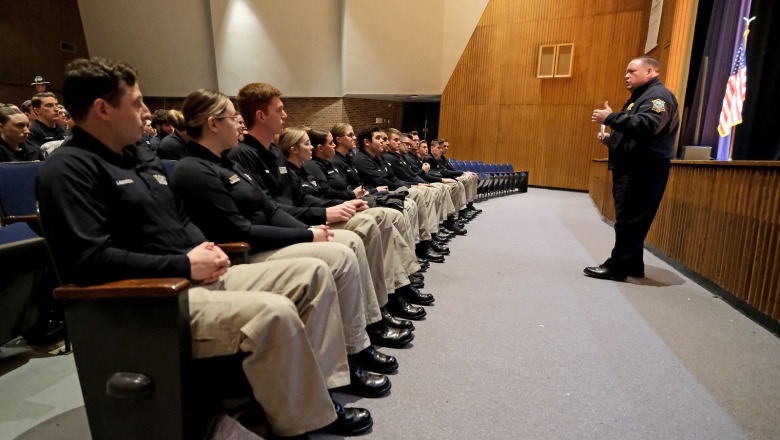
(494, 179)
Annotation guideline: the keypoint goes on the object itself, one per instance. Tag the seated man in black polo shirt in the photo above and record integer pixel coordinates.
(109, 215)
(162, 126)
(440, 166)
(45, 129)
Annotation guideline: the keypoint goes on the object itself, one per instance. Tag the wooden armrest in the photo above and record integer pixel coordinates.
(20, 218)
(139, 288)
(234, 248)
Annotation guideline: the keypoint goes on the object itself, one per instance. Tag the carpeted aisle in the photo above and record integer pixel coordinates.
(521, 345)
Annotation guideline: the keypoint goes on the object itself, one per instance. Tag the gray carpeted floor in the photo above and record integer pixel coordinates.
(520, 345)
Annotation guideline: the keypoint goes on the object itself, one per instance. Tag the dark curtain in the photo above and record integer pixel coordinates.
(758, 137)
(725, 21)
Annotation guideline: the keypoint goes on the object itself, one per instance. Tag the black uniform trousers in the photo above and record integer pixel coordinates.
(637, 193)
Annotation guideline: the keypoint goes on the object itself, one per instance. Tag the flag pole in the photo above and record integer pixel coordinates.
(731, 147)
(744, 44)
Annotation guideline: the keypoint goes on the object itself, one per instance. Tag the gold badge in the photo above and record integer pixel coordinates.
(659, 106)
(234, 179)
(630, 106)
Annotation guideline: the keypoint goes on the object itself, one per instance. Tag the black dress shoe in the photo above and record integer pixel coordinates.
(372, 360)
(444, 229)
(604, 273)
(444, 250)
(435, 238)
(392, 321)
(454, 227)
(432, 256)
(417, 280)
(441, 237)
(349, 421)
(423, 263)
(401, 308)
(382, 334)
(473, 208)
(414, 296)
(363, 383)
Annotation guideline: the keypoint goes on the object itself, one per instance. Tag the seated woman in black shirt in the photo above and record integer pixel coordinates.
(295, 145)
(229, 206)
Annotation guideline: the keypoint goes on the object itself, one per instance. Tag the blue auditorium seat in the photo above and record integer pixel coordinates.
(17, 192)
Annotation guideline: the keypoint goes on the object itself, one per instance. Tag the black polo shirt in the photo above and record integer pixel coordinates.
(375, 172)
(109, 216)
(172, 147)
(401, 168)
(26, 153)
(321, 172)
(416, 164)
(40, 134)
(437, 168)
(228, 205)
(270, 171)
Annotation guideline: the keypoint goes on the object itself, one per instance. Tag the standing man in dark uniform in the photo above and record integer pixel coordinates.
(641, 146)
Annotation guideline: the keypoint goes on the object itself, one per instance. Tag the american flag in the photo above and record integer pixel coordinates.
(731, 113)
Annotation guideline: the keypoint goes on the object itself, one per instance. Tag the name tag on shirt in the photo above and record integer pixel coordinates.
(124, 182)
(282, 170)
(234, 179)
(331, 171)
(248, 177)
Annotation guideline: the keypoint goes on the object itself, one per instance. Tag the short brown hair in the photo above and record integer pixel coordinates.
(36, 100)
(390, 131)
(253, 97)
(650, 61)
(87, 80)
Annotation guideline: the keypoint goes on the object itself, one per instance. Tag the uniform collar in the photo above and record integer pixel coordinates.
(195, 149)
(9, 147)
(643, 88)
(130, 156)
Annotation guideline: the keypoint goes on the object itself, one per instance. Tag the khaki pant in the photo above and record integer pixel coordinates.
(412, 235)
(285, 316)
(470, 184)
(400, 260)
(356, 301)
(457, 197)
(443, 200)
(426, 205)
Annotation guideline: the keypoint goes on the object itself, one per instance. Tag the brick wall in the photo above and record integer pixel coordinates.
(325, 112)
(321, 112)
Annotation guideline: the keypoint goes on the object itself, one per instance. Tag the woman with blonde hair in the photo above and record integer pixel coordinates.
(295, 145)
(229, 206)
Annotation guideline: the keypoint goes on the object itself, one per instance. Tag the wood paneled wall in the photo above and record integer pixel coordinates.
(719, 219)
(30, 38)
(495, 109)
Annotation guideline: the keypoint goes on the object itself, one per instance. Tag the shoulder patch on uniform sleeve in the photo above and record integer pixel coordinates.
(659, 106)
